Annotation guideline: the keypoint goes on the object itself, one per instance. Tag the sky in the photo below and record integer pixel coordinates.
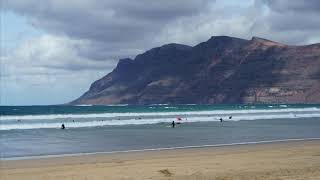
(51, 51)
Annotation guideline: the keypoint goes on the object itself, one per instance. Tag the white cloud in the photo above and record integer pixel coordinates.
(51, 65)
(293, 22)
(85, 38)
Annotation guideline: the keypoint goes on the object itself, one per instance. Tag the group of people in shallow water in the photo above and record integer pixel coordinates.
(173, 124)
(221, 120)
(63, 126)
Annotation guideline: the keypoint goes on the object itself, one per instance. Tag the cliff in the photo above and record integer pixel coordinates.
(220, 70)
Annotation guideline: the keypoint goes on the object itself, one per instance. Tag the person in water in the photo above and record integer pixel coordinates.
(221, 120)
(62, 126)
(173, 124)
(230, 117)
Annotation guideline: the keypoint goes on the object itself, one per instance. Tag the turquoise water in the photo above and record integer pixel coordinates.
(86, 109)
(35, 130)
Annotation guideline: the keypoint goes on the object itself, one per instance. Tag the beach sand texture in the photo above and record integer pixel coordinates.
(276, 161)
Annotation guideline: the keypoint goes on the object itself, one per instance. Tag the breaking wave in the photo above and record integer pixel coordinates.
(130, 118)
(177, 113)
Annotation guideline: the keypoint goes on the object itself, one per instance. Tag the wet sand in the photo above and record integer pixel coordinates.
(281, 161)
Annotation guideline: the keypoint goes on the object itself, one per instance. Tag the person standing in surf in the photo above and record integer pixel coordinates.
(173, 124)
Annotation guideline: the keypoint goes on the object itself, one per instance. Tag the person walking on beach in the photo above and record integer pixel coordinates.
(173, 124)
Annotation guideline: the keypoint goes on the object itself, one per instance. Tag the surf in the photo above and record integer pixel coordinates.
(172, 113)
(150, 118)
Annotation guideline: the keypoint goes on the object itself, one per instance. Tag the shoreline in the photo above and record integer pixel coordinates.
(155, 149)
(285, 160)
(45, 120)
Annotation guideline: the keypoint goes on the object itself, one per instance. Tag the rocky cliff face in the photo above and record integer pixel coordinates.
(221, 70)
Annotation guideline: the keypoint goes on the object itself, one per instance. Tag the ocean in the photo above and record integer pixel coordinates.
(35, 131)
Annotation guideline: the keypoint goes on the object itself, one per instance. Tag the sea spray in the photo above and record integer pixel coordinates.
(10, 122)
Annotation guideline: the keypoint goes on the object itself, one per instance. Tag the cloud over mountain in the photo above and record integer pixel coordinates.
(81, 36)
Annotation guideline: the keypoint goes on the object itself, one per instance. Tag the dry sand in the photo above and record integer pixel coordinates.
(286, 160)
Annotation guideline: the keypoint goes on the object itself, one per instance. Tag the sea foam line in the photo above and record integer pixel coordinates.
(115, 122)
(172, 113)
(55, 124)
(158, 149)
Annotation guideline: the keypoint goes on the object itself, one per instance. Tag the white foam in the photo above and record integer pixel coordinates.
(146, 120)
(135, 114)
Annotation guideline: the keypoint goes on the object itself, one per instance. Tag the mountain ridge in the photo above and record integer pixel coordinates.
(222, 69)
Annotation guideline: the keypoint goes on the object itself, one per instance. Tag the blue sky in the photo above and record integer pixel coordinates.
(51, 51)
(15, 29)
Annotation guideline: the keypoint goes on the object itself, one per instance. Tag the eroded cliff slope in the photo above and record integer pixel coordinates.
(220, 70)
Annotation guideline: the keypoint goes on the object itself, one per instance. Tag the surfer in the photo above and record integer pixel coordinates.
(173, 124)
(221, 120)
(230, 117)
(62, 126)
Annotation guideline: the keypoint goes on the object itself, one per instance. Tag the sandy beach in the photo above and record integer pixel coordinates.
(285, 160)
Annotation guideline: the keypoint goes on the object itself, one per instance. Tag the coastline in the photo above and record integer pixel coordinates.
(283, 160)
(155, 149)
